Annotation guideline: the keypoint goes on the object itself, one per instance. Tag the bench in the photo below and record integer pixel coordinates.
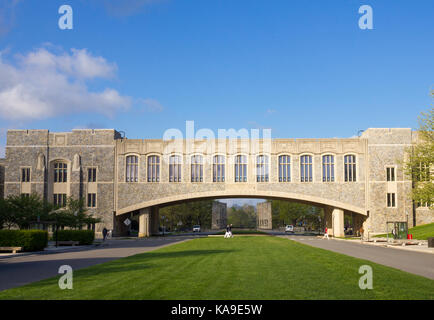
(68, 243)
(13, 249)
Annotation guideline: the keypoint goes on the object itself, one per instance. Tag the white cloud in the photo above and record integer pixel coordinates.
(42, 84)
(151, 105)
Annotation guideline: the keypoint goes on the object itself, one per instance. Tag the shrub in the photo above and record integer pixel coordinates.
(30, 240)
(82, 236)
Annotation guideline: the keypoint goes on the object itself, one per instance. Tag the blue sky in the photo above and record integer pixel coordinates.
(302, 68)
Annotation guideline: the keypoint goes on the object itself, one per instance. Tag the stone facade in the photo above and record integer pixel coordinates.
(218, 215)
(264, 218)
(132, 192)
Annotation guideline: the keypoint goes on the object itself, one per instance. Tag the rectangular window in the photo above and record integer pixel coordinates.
(91, 175)
(284, 168)
(132, 167)
(262, 169)
(306, 168)
(219, 169)
(391, 200)
(59, 199)
(328, 168)
(196, 169)
(175, 169)
(91, 200)
(153, 169)
(423, 172)
(25, 174)
(390, 174)
(60, 172)
(350, 168)
(240, 169)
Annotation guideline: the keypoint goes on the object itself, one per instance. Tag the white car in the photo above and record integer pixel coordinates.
(289, 228)
(196, 228)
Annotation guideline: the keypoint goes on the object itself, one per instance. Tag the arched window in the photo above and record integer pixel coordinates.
(328, 168)
(175, 169)
(60, 172)
(218, 169)
(196, 168)
(240, 168)
(153, 169)
(284, 168)
(262, 168)
(132, 169)
(350, 168)
(306, 168)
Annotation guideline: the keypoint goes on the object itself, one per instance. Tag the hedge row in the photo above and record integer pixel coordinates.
(83, 236)
(30, 240)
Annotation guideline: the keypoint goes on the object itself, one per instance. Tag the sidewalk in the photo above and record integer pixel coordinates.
(423, 247)
(53, 249)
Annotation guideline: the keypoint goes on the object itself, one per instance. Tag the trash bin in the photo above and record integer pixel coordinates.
(410, 236)
(430, 242)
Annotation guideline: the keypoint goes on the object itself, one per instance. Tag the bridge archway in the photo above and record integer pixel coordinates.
(334, 210)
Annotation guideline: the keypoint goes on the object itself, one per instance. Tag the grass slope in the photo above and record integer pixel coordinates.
(238, 268)
(422, 232)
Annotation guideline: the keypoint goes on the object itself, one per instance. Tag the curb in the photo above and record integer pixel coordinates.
(67, 249)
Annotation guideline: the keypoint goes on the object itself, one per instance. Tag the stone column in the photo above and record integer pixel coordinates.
(155, 221)
(328, 220)
(144, 226)
(338, 222)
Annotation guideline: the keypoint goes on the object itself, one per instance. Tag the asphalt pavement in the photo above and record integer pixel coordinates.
(419, 263)
(20, 270)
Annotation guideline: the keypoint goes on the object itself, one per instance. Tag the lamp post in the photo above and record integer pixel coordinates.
(163, 217)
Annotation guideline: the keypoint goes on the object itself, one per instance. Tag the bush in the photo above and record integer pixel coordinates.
(30, 240)
(82, 236)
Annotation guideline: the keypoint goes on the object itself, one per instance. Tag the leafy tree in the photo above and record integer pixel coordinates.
(23, 210)
(420, 160)
(73, 215)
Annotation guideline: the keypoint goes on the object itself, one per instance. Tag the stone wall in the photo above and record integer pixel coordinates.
(80, 150)
(106, 151)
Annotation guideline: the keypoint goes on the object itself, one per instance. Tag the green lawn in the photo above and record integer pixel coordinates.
(237, 268)
(422, 232)
(242, 231)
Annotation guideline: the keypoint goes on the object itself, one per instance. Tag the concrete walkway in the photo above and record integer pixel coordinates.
(420, 263)
(23, 269)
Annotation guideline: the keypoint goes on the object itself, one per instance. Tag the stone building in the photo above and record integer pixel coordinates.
(219, 215)
(121, 177)
(264, 219)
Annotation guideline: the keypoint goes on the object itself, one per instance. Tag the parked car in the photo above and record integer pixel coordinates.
(196, 228)
(289, 228)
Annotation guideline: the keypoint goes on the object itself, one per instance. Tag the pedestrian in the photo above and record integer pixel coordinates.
(326, 233)
(104, 234)
(227, 234)
(361, 232)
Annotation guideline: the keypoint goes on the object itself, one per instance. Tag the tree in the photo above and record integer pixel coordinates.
(23, 210)
(420, 160)
(73, 215)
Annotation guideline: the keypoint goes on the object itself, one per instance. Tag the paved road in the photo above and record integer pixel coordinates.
(21, 270)
(414, 262)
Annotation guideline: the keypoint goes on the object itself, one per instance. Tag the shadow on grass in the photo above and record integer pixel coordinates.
(145, 260)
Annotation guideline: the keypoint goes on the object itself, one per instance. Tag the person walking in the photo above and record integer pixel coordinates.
(326, 233)
(361, 233)
(104, 233)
